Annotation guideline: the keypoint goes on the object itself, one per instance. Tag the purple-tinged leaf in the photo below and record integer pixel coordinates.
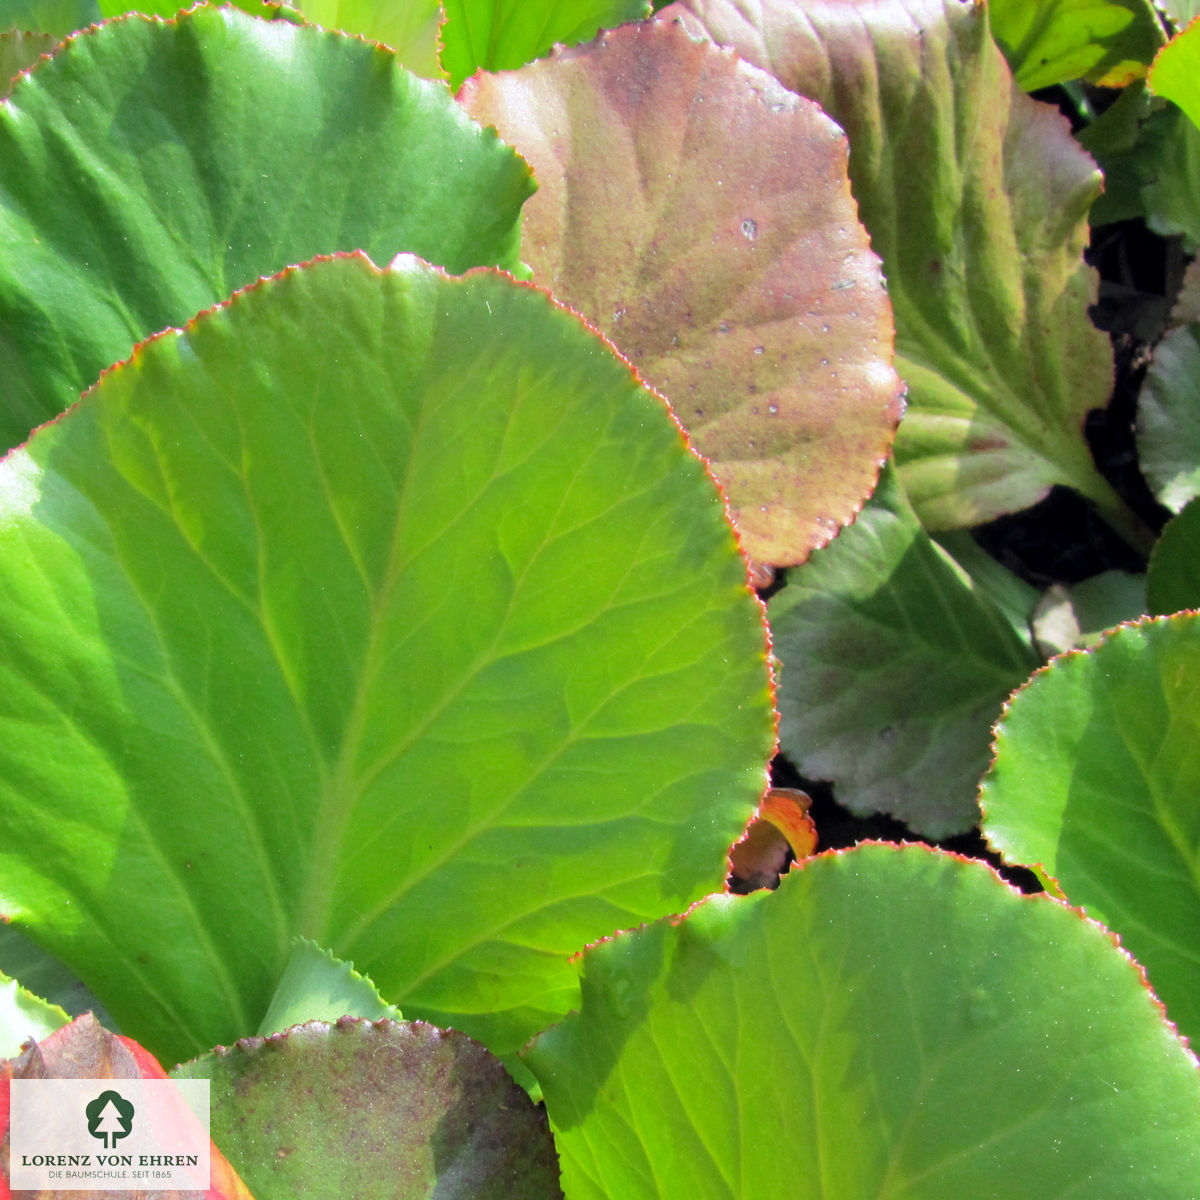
(357, 1110)
(700, 216)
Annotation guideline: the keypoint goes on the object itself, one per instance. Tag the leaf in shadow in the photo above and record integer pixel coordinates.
(355, 1109)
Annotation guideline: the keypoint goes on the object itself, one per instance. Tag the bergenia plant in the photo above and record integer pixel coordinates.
(407, 411)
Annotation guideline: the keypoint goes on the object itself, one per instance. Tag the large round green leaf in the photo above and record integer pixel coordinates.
(384, 608)
(151, 168)
(1168, 431)
(700, 215)
(891, 1022)
(976, 198)
(1096, 784)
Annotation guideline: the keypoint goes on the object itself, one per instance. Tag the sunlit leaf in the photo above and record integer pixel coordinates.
(500, 34)
(890, 1022)
(383, 608)
(135, 190)
(316, 986)
(1168, 429)
(700, 216)
(976, 197)
(1095, 784)
(1109, 42)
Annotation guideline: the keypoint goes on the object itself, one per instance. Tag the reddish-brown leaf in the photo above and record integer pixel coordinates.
(700, 216)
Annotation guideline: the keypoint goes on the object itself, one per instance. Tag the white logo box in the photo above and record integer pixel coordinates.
(138, 1135)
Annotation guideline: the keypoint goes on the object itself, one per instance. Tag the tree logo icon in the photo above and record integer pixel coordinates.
(109, 1117)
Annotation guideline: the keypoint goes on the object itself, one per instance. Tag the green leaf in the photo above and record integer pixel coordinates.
(1109, 42)
(1168, 429)
(1150, 154)
(1094, 785)
(1173, 577)
(1175, 69)
(716, 243)
(135, 191)
(55, 17)
(44, 975)
(1014, 598)
(891, 1022)
(976, 197)
(1179, 11)
(1073, 615)
(383, 608)
(355, 1110)
(18, 52)
(410, 27)
(894, 666)
(501, 34)
(25, 1017)
(316, 986)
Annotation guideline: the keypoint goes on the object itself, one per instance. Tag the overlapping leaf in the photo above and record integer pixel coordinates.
(85, 1050)
(378, 607)
(55, 17)
(1109, 42)
(890, 1022)
(1168, 430)
(700, 216)
(1174, 71)
(149, 169)
(1095, 784)
(316, 986)
(355, 1110)
(976, 198)
(1173, 577)
(24, 1017)
(894, 667)
(501, 34)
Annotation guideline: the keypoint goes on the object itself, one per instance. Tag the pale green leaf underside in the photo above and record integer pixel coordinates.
(151, 168)
(383, 608)
(1095, 782)
(891, 1022)
(894, 666)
